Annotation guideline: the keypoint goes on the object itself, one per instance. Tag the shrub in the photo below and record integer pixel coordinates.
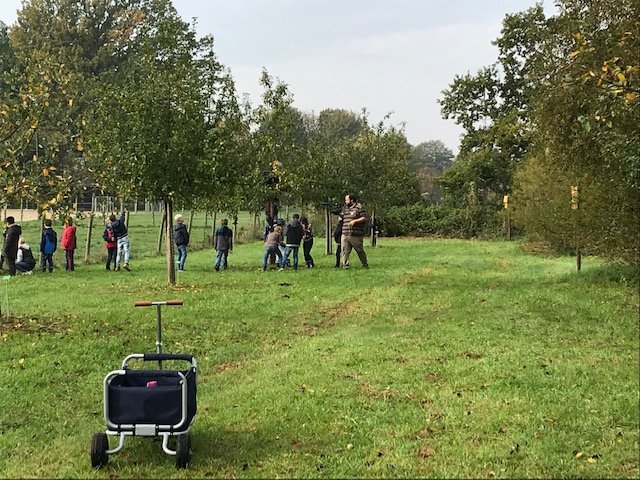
(443, 221)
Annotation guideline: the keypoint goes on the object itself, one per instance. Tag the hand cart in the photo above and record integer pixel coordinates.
(149, 403)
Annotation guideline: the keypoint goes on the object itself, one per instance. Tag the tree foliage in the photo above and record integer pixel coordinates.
(493, 108)
(586, 116)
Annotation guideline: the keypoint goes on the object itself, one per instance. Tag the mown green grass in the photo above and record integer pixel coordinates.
(445, 359)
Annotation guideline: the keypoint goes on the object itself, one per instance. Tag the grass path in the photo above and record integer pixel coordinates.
(445, 359)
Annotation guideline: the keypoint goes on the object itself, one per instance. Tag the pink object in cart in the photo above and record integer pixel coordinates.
(152, 384)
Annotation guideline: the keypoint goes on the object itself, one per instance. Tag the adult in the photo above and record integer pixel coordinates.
(354, 227)
(293, 239)
(10, 247)
(119, 227)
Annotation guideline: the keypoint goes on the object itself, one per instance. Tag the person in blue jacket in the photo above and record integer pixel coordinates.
(48, 245)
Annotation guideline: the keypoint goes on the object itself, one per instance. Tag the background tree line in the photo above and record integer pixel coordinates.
(121, 95)
(558, 109)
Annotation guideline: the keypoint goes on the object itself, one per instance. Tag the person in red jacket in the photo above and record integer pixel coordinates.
(68, 243)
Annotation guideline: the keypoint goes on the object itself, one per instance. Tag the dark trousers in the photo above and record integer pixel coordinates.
(306, 249)
(111, 257)
(338, 255)
(25, 267)
(46, 259)
(68, 255)
(11, 263)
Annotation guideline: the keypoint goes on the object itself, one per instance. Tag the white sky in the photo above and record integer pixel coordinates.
(383, 55)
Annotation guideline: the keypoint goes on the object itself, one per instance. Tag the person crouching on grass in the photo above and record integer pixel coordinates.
(25, 261)
(272, 246)
(68, 242)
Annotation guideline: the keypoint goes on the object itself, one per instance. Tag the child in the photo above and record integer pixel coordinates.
(307, 242)
(272, 246)
(223, 243)
(110, 244)
(48, 245)
(25, 262)
(181, 239)
(121, 232)
(68, 243)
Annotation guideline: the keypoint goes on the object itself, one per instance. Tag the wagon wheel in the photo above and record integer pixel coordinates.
(183, 450)
(99, 447)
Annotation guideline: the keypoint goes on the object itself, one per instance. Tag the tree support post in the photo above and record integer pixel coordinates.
(168, 242)
(87, 250)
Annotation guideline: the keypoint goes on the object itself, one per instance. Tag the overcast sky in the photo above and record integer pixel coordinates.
(383, 55)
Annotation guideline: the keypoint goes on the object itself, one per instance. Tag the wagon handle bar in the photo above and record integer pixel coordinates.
(148, 303)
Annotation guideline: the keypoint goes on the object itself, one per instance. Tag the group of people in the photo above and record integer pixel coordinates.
(280, 243)
(17, 253)
(348, 234)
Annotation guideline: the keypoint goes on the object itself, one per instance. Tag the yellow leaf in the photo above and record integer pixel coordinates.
(621, 77)
(79, 144)
(45, 172)
(591, 460)
(630, 96)
(579, 454)
(71, 102)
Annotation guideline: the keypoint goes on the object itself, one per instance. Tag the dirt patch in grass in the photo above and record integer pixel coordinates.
(32, 325)
(326, 318)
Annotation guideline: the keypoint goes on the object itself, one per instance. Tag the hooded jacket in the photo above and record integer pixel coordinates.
(48, 241)
(180, 234)
(294, 233)
(10, 247)
(119, 226)
(223, 239)
(68, 240)
(25, 255)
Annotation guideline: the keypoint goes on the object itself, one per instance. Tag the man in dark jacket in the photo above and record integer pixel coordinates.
(181, 239)
(293, 239)
(10, 247)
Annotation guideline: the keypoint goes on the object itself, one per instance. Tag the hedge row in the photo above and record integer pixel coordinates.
(443, 221)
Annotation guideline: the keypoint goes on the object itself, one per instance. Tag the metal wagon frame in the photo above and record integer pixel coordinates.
(149, 403)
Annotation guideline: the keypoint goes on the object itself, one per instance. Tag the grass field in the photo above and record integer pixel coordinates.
(445, 359)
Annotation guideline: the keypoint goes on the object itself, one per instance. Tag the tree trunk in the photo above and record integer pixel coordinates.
(213, 226)
(327, 230)
(235, 227)
(374, 239)
(171, 267)
(190, 222)
(161, 232)
(87, 251)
